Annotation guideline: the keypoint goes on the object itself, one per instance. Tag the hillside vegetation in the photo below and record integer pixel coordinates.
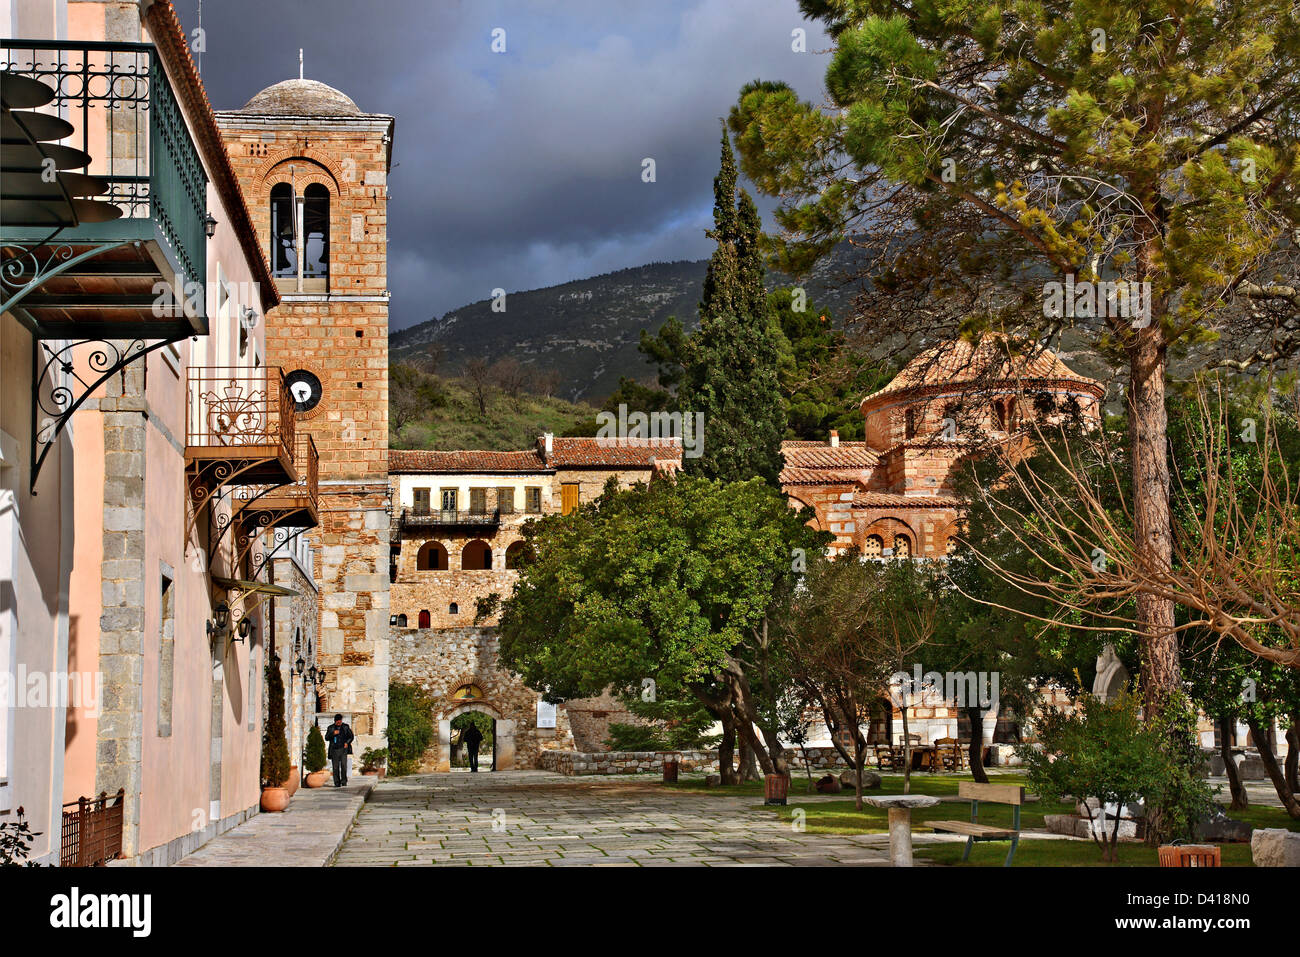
(428, 411)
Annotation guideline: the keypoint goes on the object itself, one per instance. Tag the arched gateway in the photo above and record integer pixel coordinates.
(503, 732)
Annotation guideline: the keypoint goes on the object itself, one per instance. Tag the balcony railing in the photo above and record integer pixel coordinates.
(126, 117)
(447, 518)
(92, 830)
(239, 430)
(236, 407)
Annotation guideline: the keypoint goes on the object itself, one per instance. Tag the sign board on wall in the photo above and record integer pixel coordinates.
(545, 714)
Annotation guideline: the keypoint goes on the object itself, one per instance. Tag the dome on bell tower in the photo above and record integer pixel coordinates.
(301, 97)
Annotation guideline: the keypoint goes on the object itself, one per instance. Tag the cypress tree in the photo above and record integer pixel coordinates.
(732, 361)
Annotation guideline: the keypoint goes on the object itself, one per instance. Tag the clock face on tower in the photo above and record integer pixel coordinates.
(305, 388)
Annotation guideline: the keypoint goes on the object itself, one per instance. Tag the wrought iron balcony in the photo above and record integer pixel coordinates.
(286, 510)
(239, 430)
(76, 268)
(295, 503)
(449, 518)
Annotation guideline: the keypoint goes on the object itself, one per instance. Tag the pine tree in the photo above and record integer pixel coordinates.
(732, 361)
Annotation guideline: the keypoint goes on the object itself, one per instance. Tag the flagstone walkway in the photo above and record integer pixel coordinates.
(305, 834)
(539, 818)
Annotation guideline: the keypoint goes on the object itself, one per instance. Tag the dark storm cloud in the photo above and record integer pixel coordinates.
(523, 169)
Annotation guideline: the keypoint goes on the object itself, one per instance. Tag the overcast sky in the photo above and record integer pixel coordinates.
(523, 169)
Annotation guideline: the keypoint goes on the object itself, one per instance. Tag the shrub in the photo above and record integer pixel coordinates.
(16, 842)
(275, 751)
(1101, 751)
(372, 759)
(410, 729)
(315, 759)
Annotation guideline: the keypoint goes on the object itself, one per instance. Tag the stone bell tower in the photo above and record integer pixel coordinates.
(314, 169)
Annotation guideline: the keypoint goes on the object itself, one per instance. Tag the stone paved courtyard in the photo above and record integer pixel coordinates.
(534, 817)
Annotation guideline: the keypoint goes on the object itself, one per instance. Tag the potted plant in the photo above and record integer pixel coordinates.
(314, 759)
(275, 752)
(372, 761)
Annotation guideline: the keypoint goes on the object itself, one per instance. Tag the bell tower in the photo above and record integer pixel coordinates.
(314, 169)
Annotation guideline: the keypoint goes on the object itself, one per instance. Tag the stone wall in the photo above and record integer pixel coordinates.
(352, 573)
(639, 762)
(295, 622)
(439, 661)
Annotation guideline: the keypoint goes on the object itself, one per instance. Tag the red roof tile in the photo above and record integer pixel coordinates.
(567, 453)
(419, 460)
(996, 358)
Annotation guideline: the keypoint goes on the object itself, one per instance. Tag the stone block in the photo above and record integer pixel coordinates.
(1275, 847)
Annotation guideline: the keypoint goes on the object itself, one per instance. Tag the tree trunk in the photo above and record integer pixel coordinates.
(859, 758)
(807, 766)
(1264, 742)
(1240, 799)
(1293, 753)
(975, 715)
(727, 750)
(907, 754)
(748, 766)
(1152, 531)
(889, 720)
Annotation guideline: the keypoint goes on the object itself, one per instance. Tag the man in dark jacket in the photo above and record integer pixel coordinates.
(472, 737)
(338, 738)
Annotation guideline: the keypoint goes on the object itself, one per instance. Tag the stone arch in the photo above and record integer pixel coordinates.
(327, 172)
(888, 528)
(503, 731)
(514, 552)
(476, 556)
(432, 557)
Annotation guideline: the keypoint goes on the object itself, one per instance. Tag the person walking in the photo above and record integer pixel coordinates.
(472, 737)
(338, 738)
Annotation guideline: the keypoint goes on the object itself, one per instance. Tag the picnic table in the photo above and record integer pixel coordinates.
(900, 822)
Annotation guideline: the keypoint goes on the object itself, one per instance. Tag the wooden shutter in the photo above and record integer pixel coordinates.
(568, 497)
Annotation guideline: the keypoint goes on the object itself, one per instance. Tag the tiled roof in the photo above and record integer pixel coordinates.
(416, 460)
(863, 499)
(819, 455)
(791, 476)
(569, 453)
(996, 358)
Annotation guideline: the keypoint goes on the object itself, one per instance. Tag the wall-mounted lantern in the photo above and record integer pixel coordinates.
(218, 626)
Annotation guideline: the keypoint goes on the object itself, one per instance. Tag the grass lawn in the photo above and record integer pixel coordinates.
(1031, 853)
(838, 816)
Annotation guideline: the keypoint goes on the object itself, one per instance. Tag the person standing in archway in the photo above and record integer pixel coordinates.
(472, 737)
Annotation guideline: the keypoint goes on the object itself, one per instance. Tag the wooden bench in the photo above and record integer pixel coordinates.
(973, 829)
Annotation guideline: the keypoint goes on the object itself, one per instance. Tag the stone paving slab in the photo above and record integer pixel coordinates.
(305, 834)
(536, 818)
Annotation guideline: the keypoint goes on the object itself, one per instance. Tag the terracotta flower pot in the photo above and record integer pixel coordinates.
(275, 799)
(317, 779)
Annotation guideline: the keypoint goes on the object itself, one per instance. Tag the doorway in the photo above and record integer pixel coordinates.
(476, 728)
(503, 735)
